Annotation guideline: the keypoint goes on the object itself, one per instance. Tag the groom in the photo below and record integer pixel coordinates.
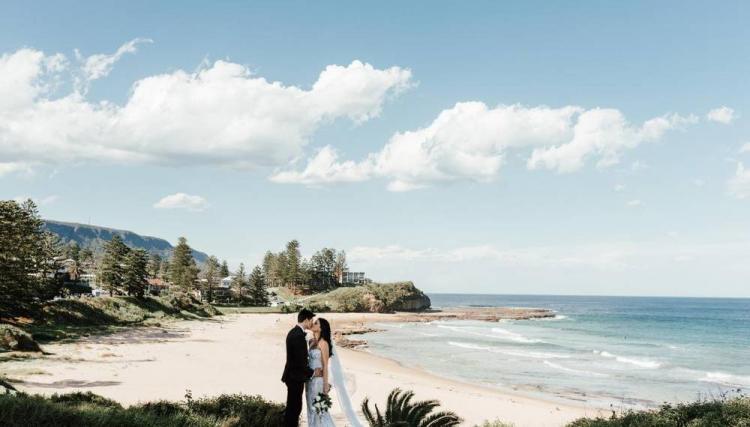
(296, 370)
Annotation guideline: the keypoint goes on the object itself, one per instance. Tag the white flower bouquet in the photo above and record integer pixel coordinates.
(322, 403)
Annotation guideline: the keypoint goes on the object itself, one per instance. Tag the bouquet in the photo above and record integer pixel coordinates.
(322, 403)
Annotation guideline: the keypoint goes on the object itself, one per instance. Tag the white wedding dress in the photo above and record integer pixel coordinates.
(312, 388)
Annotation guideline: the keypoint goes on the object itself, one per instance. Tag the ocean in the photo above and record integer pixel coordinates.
(620, 352)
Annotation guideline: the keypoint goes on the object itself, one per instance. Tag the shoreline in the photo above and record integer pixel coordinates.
(243, 353)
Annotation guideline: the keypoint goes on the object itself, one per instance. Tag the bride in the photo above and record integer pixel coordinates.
(320, 352)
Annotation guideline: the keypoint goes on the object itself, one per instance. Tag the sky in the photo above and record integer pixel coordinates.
(586, 148)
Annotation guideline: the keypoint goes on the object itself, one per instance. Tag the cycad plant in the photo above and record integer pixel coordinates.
(400, 411)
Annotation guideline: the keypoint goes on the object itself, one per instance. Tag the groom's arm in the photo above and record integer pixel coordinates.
(301, 361)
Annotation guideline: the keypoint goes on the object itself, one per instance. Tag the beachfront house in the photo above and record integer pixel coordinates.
(352, 278)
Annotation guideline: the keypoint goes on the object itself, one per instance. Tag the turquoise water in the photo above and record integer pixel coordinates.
(620, 351)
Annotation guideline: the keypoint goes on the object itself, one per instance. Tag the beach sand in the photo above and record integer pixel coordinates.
(245, 354)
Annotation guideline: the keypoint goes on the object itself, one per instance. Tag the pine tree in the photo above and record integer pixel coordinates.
(239, 281)
(258, 293)
(224, 269)
(212, 276)
(293, 264)
(154, 265)
(74, 252)
(182, 269)
(135, 272)
(113, 265)
(27, 257)
(269, 268)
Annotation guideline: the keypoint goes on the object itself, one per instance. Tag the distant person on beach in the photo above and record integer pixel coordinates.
(297, 370)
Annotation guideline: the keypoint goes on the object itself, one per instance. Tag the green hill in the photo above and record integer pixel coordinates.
(94, 237)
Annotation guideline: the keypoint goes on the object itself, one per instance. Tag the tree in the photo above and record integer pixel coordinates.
(74, 252)
(293, 264)
(28, 257)
(211, 274)
(182, 269)
(154, 265)
(164, 269)
(113, 264)
(258, 293)
(324, 260)
(224, 272)
(87, 258)
(239, 281)
(135, 272)
(400, 411)
(340, 266)
(323, 266)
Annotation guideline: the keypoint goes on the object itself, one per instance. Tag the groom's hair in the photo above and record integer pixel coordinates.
(304, 314)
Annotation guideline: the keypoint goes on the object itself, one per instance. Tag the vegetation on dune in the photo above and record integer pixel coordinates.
(371, 298)
(68, 318)
(702, 413)
(91, 410)
(401, 411)
(16, 339)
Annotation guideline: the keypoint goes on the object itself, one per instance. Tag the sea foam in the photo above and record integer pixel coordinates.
(641, 363)
(516, 353)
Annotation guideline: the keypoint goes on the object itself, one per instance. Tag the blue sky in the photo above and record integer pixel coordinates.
(527, 147)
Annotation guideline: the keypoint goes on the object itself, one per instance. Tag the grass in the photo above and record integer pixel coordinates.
(91, 410)
(702, 413)
(72, 318)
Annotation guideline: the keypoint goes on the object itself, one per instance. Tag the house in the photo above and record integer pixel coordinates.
(155, 286)
(226, 282)
(352, 277)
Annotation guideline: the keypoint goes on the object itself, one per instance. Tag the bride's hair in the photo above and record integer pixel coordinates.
(325, 334)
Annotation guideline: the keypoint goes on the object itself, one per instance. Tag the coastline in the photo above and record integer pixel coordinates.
(244, 353)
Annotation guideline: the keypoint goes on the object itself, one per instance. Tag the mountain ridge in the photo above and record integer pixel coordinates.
(94, 237)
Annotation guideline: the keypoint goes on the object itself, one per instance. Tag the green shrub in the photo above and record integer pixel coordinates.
(16, 339)
(703, 413)
(90, 410)
(80, 398)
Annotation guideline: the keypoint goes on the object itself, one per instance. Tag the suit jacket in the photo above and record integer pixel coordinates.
(297, 369)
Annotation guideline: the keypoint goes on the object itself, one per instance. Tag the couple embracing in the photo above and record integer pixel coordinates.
(311, 367)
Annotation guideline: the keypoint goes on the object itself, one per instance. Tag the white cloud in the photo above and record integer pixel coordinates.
(603, 133)
(634, 203)
(739, 184)
(182, 201)
(15, 167)
(44, 201)
(723, 114)
(745, 148)
(220, 115)
(596, 256)
(324, 168)
(100, 65)
(619, 188)
(470, 141)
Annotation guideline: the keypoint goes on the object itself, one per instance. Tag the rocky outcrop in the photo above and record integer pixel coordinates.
(372, 298)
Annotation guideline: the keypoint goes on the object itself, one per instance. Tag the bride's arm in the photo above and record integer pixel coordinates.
(324, 354)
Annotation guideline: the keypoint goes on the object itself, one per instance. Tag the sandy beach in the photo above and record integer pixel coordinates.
(245, 354)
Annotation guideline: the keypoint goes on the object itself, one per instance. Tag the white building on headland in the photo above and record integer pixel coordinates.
(353, 277)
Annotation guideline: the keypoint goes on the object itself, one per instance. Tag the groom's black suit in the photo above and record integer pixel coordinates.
(296, 373)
